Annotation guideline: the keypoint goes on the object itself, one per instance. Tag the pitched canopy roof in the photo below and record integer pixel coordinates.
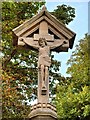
(29, 27)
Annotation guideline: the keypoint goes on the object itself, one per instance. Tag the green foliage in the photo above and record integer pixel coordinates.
(19, 65)
(72, 103)
(79, 62)
(11, 104)
(64, 13)
(73, 96)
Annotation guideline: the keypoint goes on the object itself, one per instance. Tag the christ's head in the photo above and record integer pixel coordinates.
(42, 42)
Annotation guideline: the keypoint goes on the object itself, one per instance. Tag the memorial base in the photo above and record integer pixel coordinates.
(43, 111)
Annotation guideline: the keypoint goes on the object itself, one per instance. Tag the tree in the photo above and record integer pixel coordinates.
(16, 76)
(19, 66)
(64, 13)
(73, 97)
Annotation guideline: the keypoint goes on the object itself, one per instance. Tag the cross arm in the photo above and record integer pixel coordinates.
(30, 42)
(59, 43)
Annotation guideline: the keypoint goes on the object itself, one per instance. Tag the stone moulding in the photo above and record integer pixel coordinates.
(43, 109)
(31, 25)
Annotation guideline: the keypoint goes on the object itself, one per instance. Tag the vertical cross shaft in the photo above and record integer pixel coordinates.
(43, 93)
(43, 32)
(43, 29)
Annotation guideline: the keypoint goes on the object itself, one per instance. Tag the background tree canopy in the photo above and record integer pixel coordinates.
(17, 76)
(73, 96)
(19, 66)
(64, 13)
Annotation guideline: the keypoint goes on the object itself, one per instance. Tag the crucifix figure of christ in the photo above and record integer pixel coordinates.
(44, 43)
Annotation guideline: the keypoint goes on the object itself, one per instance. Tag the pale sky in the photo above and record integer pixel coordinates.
(79, 25)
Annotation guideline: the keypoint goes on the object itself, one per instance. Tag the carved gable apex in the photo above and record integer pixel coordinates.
(55, 28)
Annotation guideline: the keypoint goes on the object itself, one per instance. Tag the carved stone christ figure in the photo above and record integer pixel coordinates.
(44, 60)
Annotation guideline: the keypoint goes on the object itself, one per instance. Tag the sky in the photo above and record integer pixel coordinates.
(79, 25)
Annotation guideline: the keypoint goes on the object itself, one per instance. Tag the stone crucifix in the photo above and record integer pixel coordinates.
(44, 43)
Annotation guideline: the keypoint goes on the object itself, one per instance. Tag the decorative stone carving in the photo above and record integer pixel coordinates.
(43, 33)
(44, 60)
(42, 111)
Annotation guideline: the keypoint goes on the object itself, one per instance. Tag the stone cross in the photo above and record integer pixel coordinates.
(44, 33)
(44, 43)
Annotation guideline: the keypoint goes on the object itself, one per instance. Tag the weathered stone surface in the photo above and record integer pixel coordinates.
(44, 62)
(43, 111)
(52, 26)
(43, 33)
(43, 117)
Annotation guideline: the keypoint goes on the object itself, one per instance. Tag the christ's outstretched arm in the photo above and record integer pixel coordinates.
(29, 41)
(59, 43)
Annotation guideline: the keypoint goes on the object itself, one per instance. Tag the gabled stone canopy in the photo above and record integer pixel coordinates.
(55, 27)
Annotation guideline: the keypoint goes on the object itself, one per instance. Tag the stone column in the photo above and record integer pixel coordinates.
(43, 109)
